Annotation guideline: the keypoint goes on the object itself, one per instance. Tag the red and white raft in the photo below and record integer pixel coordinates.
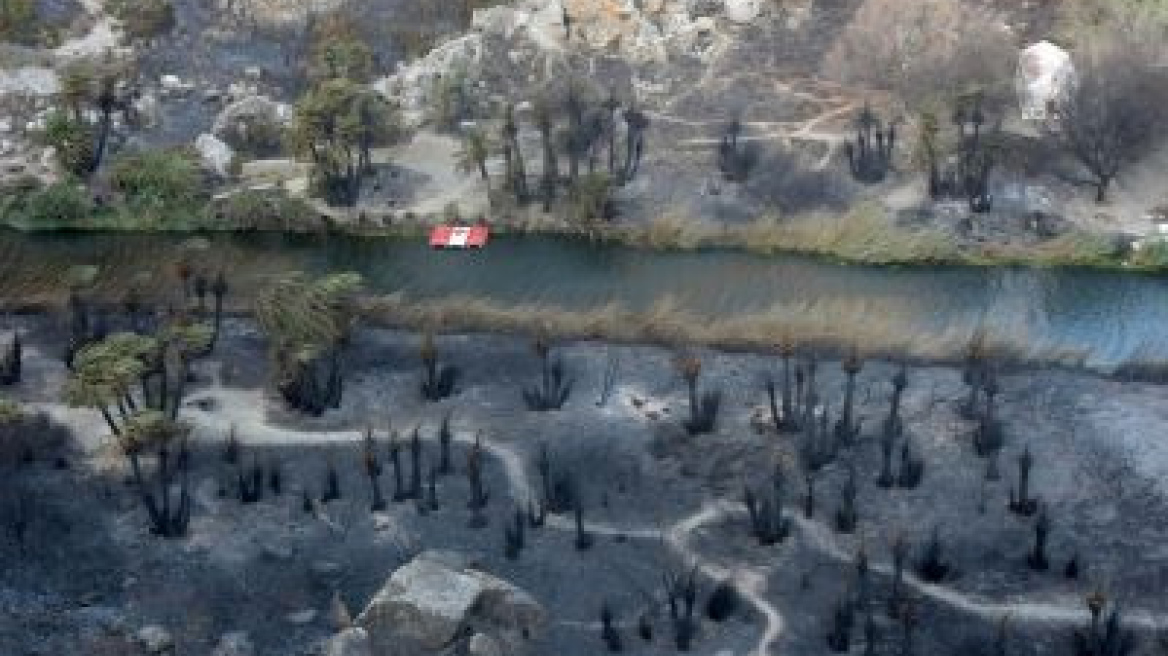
(459, 237)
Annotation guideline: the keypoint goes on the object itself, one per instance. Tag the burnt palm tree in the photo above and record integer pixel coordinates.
(636, 123)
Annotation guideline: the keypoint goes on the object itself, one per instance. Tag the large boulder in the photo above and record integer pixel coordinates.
(439, 598)
(252, 123)
(1045, 74)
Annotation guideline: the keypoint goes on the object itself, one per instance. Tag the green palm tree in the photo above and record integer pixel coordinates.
(473, 154)
(306, 322)
(151, 431)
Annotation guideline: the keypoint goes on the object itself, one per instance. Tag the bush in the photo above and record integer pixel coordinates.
(72, 141)
(158, 179)
(924, 49)
(61, 204)
(143, 19)
(262, 211)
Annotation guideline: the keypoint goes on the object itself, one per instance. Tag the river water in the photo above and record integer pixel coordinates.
(1096, 319)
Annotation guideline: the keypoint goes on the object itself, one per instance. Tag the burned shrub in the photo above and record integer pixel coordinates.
(479, 496)
(1037, 559)
(555, 385)
(768, 524)
(839, 637)
(438, 381)
(1103, 637)
(372, 466)
(608, 631)
(846, 515)
(703, 408)
(27, 437)
(723, 602)
(870, 156)
(681, 590)
(736, 160)
(1021, 502)
(514, 537)
(931, 566)
(10, 361)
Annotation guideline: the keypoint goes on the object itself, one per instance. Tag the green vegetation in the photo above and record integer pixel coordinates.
(307, 322)
(17, 17)
(60, 205)
(338, 51)
(92, 93)
(338, 123)
(22, 23)
(159, 185)
(143, 19)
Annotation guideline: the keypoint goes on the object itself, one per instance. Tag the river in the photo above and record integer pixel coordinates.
(1101, 320)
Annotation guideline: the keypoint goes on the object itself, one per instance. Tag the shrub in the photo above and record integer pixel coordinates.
(163, 179)
(272, 210)
(72, 141)
(60, 204)
(143, 19)
(723, 602)
(924, 49)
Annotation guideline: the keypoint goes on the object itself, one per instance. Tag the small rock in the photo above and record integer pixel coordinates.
(482, 644)
(325, 571)
(301, 617)
(253, 73)
(236, 643)
(743, 11)
(353, 641)
(381, 522)
(155, 639)
(276, 552)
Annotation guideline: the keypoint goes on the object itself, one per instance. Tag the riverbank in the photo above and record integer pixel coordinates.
(866, 234)
(1076, 317)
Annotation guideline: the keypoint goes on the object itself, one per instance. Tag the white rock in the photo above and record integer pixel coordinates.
(5, 125)
(1045, 74)
(253, 73)
(155, 639)
(171, 82)
(743, 11)
(147, 109)
(236, 643)
(216, 156)
(30, 81)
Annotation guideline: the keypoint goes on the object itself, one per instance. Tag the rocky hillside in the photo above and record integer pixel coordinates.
(743, 108)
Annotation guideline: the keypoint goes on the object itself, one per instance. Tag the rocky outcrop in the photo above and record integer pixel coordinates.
(438, 599)
(239, 116)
